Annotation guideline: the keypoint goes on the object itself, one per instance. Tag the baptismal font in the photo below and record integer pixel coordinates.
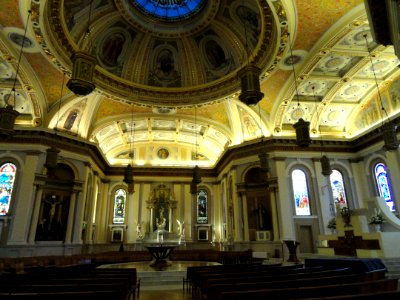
(161, 242)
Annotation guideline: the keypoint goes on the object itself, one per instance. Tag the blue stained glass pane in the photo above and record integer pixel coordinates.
(170, 10)
(300, 193)
(338, 191)
(119, 206)
(382, 182)
(7, 178)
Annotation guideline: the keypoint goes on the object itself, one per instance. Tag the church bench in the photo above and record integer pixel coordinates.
(214, 290)
(78, 295)
(193, 273)
(319, 291)
(385, 295)
(125, 279)
(205, 281)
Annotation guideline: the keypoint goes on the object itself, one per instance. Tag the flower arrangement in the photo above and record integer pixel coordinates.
(332, 223)
(346, 213)
(377, 218)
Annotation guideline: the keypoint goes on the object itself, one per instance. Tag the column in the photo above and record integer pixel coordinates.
(324, 193)
(78, 219)
(23, 206)
(245, 217)
(38, 192)
(71, 214)
(274, 212)
(130, 219)
(103, 209)
(361, 187)
(170, 218)
(394, 175)
(285, 209)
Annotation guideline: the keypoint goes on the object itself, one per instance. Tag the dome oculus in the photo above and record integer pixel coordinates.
(169, 10)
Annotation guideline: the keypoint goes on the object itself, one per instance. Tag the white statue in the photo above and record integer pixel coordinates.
(181, 228)
(139, 234)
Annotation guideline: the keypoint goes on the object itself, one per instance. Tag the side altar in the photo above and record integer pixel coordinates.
(355, 237)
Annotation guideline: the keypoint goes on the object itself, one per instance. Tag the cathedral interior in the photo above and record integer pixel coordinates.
(133, 116)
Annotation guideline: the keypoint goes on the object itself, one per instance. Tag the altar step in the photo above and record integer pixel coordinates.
(157, 278)
(393, 267)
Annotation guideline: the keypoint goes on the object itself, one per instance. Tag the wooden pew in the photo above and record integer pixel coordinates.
(385, 295)
(214, 291)
(316, 292)
(72, 280)
(266, 276)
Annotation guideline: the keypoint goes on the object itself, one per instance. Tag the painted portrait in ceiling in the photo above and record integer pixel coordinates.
(164, 72)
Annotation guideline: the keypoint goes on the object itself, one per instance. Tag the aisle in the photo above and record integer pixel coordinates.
(167, 292)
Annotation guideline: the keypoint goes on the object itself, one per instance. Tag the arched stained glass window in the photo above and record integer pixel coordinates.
(202, 207)
(300, 193)
(7, 178)
(338, 191)
(382, 182)
(119, 206)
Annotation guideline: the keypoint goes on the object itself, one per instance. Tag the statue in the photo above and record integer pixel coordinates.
(181, 231)
(181, 228)
(161, 221)
(139, 234)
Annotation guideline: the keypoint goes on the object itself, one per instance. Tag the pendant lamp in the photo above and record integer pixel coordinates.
(388, 129)
(83, 65)
(9, 114)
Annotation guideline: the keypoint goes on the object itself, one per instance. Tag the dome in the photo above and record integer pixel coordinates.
(167, 53)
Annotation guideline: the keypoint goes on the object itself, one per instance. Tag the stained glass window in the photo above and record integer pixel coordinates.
(382, 182)
(170, 10)
(7, 177)
(202, 207)
(338, 191)
(300, 193)
(119, 206)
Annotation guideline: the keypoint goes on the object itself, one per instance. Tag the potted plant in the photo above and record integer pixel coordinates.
(332, 225)
(377, 219)
(346, 214)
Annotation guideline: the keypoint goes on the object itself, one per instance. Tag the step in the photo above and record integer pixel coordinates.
(161, 277)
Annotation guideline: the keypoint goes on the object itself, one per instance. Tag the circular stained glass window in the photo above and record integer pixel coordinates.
(170, 10)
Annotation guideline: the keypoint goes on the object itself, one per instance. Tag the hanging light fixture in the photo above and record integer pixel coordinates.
(196, 170)
(52, 152)
(389, 135)
(249, 77)
(128, 172)
(9, 114)
(302, 127)
(84, 63)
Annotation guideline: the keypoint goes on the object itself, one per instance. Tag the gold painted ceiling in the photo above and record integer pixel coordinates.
(168, 89)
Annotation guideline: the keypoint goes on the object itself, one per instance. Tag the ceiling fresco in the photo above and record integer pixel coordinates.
(166, 79)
